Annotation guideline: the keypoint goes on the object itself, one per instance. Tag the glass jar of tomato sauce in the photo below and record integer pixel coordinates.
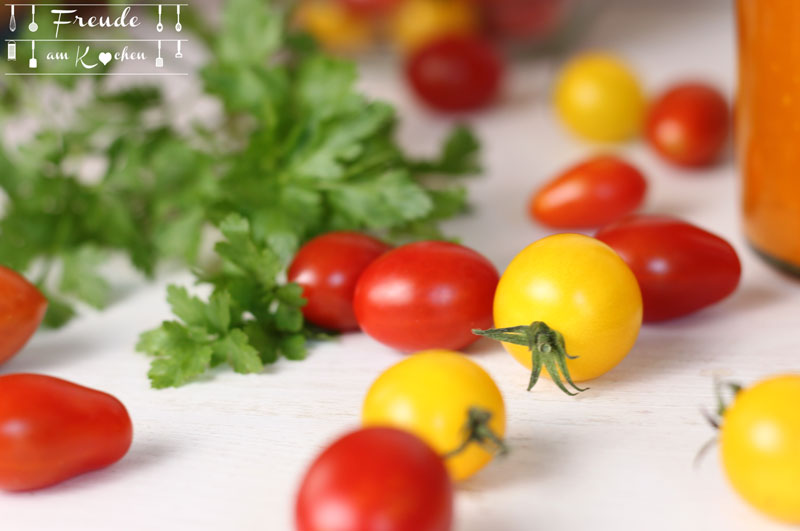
(768, 127)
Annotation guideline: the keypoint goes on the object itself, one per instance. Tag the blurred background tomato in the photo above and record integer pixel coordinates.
(407, 25)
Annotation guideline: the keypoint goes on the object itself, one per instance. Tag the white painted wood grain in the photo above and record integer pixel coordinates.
(228, 453)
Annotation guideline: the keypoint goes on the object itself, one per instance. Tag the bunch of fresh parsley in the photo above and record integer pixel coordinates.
(302, 152)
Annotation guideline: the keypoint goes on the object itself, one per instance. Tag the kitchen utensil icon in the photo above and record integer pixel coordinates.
(12, 51)
(32, 62)
(159, 26)
(178, 26)
(178, 54)
(12, 24)
(33, 26)
(159, 59)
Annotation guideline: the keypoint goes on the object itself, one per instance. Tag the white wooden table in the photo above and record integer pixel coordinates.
(228, 453)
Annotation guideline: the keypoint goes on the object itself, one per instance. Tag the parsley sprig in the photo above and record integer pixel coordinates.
(299, 153)
(248, 320)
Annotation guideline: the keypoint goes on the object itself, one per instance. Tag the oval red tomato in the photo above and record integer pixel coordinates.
(22, 308)
(681, 268)
(370, 7)
(376, 478)
(52, 430)
(689, 124)
(328, 268)
(592, 193)
(426, 295)
(456, 73)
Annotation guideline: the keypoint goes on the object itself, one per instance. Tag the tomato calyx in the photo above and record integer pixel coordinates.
(722, 405)
(477, 430)
(719, 387)
(715, 419)
(547, 350)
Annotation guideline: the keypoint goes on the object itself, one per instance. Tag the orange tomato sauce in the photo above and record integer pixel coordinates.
(768, 126)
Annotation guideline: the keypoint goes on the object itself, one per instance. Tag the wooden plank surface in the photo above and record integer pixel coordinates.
(227, 453)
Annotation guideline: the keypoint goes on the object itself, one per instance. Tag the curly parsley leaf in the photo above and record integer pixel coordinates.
(59, 312)
(182, 353)
(248, 319)
(459, 156)
(79, 276)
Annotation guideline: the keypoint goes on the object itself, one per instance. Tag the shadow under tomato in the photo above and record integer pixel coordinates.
(494, 518)
(45, 351)
(679, 344)
(142, 455)
(680, 208)
(483, 347)
(746, 299)
(530, 459)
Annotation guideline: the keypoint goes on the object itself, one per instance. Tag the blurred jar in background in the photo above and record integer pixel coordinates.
(768, 127)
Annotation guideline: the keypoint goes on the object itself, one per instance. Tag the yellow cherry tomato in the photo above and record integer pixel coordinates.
(334, 26)
(599, 98)
(567, 292)
(417, 22)
(760, 446)
(445, 399)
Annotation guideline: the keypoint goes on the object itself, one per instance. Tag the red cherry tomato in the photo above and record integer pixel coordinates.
(52, 430)
(593, 193)
(376, 478)
(328, 268)
(689, 124)
(517, 20)
(370, 7)
(681, 268)
(22, 308)
(426, 295)
(456, 73)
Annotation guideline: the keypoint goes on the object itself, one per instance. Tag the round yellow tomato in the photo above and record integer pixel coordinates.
(445, 399)
(578, 287)
(760, 446)
(334, 26)
(599, 98)
(418, 22)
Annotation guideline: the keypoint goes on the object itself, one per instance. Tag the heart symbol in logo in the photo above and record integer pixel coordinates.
(105, 58)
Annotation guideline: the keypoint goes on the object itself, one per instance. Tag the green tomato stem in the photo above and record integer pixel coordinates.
(547, 350)
(477, 430)
(719, 388)
(716, 420)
